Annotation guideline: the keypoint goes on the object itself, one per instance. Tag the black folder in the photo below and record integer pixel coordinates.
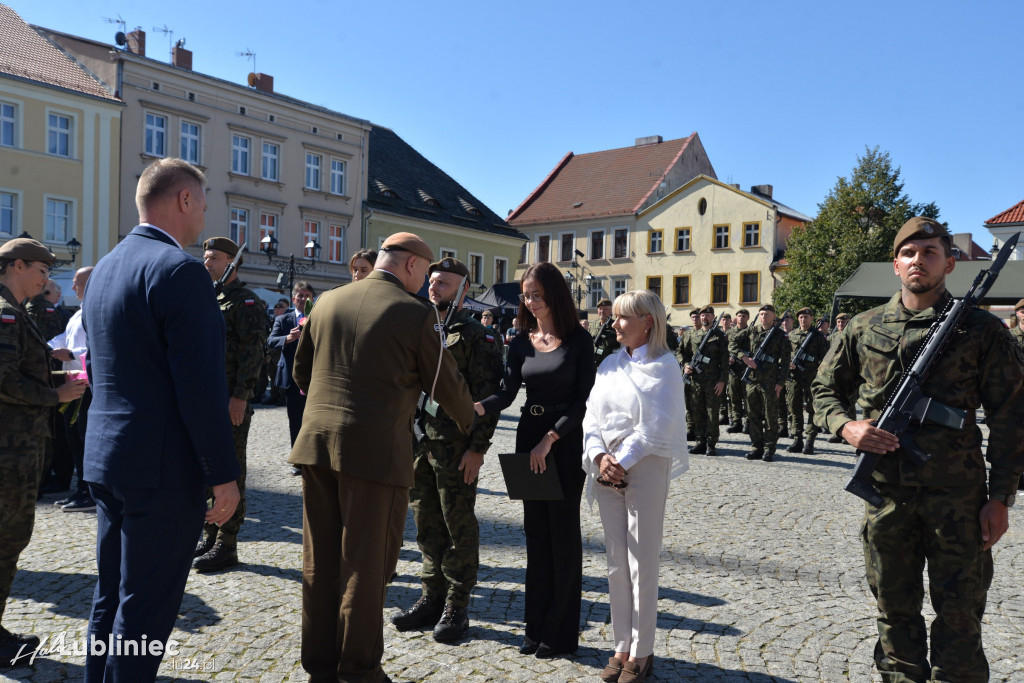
(524, 484)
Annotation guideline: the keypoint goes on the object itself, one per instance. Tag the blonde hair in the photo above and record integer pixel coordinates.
(645, 302)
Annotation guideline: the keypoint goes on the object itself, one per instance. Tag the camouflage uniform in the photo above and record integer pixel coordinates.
(762, 403)
(783, 403)
(26, 401)
(705, 402)
(798, 388)
(442, 502)
(605, 343)
(246, 336)
(930, 513)
(47, 318)
(737, 393)
(1018, 336)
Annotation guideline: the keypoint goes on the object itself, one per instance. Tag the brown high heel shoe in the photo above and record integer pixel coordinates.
(610, 673)
(631, 673)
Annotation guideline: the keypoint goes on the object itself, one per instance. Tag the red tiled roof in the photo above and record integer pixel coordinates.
(610, 183)
(1015, 214)
(26, 54)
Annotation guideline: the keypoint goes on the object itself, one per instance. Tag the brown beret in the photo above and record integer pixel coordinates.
(221, 244)
(1020, 305)
(604, 302)
(449, 265)
(843, 316)
(695, 311)
(406, 241)
(919, 227)
(708, 309)
(26, 249)
(766, 307)
(743, 311)
(805, 311)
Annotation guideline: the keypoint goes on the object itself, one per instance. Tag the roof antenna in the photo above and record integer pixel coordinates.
(119, 37)
(248, 54)
(170, 38)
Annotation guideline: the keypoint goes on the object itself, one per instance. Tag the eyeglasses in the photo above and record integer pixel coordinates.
(531, 296)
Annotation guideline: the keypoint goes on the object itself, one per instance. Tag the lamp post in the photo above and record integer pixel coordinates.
(576, 277)
(288, 268)
(73, 247)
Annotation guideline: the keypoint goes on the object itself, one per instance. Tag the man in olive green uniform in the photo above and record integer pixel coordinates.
(26, 402)
(246, 337)
(798, 388)
(783, 402)
(688, 389)
(833, 338)
(724, 404)
(447, 463)
(766, 381)
(707, 379)
(1018, 331)
(737, 390)
(940, 514)
(605, 343)
(44, 313)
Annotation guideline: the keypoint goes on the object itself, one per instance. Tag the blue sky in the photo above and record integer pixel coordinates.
(784, 93)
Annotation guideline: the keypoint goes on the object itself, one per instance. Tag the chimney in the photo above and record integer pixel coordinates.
(181, 57)
(263, 83)
(763, 190)
(137, 42)
(649, 140)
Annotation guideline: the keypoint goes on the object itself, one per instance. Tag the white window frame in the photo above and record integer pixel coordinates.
(238, 229)
(613, 232)
(338, 172)
(503, 269)
(307, 233)
(14, 210)
(590, 244)
(58, 133)
(314, 164)
(154, 136)
(572, 247)
(679, 232)
(537, 254)
(335, 255)
(478, 277)
(11, 121)
(187, 138)
(265, 227)
(240, 154)
(524, 253)
(448, 252)
(275, 158)
(70, 219)
(616, 283)
(595, 291)
(756, 232)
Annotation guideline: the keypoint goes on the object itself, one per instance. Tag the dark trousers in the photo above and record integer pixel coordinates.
(295, 401)
(145, 539)
(75, 434)
(352, 532)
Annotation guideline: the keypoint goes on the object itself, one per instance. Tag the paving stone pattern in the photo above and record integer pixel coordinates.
(761, 580)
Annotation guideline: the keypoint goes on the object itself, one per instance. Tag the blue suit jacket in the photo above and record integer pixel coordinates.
(159, 413)
(283, 324)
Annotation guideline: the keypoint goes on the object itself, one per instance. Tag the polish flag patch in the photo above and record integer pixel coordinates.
(489, 337)
(250, 302)
(50, 309)
(8, 318)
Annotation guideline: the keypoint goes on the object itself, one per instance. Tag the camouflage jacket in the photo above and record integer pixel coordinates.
(981, 367)
(479, 361)
(717, 351)
(747, 341)
(816, 349)
(26, 392)
(45, 316)
(605, 343)
(246, 337)
(1018, 335)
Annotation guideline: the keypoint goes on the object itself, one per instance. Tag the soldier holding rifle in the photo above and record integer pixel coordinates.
(764, 379)
(705, 356)
(941, 512)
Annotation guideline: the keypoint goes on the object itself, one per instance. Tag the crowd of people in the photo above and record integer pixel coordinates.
(392, 402)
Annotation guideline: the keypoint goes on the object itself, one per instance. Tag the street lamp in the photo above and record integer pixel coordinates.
(73, 247)
(288, 268)
(576, 278)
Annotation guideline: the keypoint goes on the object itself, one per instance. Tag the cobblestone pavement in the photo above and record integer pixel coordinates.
(761, 580)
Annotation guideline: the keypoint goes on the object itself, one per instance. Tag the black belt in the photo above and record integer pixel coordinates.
(537, 409)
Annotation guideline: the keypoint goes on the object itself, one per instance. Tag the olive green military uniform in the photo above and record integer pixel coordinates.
(705, 401)
(762, 402)
(798, 388)
(246, 337)
(783, 403)
(737, 393)
(442, 502)
(1018, 336)
(46, 317)
(930, 513)
(605, 343)
(26, 402)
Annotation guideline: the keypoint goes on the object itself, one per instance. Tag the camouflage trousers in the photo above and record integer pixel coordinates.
(688, 397)
(763, 413)
(228, 533)
(798, 394)
(446, 528)
(915, 527)
(783, 405)
(737, 396)
(21, 470)
(705, 410)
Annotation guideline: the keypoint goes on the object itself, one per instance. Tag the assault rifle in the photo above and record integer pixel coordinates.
(699, 360)
(907, 409)
(218, 286)
(761, 355)
(802, 355)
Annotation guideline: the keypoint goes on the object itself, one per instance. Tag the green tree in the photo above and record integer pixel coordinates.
(856, 223)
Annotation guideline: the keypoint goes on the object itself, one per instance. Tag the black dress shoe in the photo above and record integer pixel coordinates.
(545, 651)
(528, 647)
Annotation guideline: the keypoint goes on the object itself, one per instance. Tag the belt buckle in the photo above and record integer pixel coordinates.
(536, 410)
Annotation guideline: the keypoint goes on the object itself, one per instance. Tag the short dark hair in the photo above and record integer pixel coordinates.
(557, 297)
(302, 284)
(166, 177)
(368, 254)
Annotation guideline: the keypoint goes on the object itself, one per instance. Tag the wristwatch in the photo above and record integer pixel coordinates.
(1005, 500)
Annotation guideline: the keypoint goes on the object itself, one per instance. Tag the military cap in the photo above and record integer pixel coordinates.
(743, 311)
(726, 316)
(843, 316)
(449, 265)
(26, 249)
(766, 307)
(708, 309)
(805, 311)
(604, 302)
(1020, 305)
(919, 227)
(695, 311)
(406, 241)
(221, 244)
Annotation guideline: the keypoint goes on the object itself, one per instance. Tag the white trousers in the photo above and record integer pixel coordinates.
(634, 522)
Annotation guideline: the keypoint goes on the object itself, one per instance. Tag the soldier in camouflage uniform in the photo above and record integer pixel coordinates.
(783, 403)
(691, 434)
(446, 466)
(765, 383)
(737, 390)
(798, 388)
(707, 382)
(246, 337)
(44, 313)
(940, 514)
(842, 320)
(1018, 331)
(26, 402)
(605, 343)
(724, 404)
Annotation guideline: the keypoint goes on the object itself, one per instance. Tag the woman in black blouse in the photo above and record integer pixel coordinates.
(554, 356)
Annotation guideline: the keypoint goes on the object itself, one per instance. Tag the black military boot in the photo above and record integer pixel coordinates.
(809, 446)
(453, 624)
(701, 448)
(769, 455)
(796, 446)
(205, 544)
(424, 612)
(724, 419)
(756, 454)
(14, 645)
(220, 557)
(711, 449)
(735, 428)
(784, 432)
(690, 436)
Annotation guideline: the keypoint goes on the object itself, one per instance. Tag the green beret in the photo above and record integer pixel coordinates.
(221, 244)
(919, 227)
(805, 311)
(743, 311)
(604, 302)
(843, 316)
(708, 309)
(449, 265)
(766, 307)
(26, 249)
(1020, 305)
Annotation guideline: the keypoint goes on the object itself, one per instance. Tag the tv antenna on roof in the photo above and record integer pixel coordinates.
(248, 54)
(119, 37)
(170, 38)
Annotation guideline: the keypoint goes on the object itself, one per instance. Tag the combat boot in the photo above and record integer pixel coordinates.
(13, 645)
(219, 557)
(701, 448)
(735, 428)
(424, 612)
(796, 446)
(205, 544)
(724, 419)
(784, 432)
(690, 436)
(756, 454)
(809, 446)
(770, 455)
(453, 624)
(711, 449)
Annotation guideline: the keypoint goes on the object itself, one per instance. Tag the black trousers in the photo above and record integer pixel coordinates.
(295, 401)
(75, 434)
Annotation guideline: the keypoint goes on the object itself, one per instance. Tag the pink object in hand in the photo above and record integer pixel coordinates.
(73, 375)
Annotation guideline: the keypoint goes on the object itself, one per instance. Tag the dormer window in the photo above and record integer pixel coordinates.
(428, 200)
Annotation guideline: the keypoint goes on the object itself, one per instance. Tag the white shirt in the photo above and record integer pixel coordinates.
(73, 338)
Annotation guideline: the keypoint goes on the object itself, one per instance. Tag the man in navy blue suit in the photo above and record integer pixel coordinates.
(159, 430)
(285, 337)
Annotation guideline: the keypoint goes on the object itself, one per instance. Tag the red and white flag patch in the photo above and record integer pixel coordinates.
(250, 302)
(8, 318)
